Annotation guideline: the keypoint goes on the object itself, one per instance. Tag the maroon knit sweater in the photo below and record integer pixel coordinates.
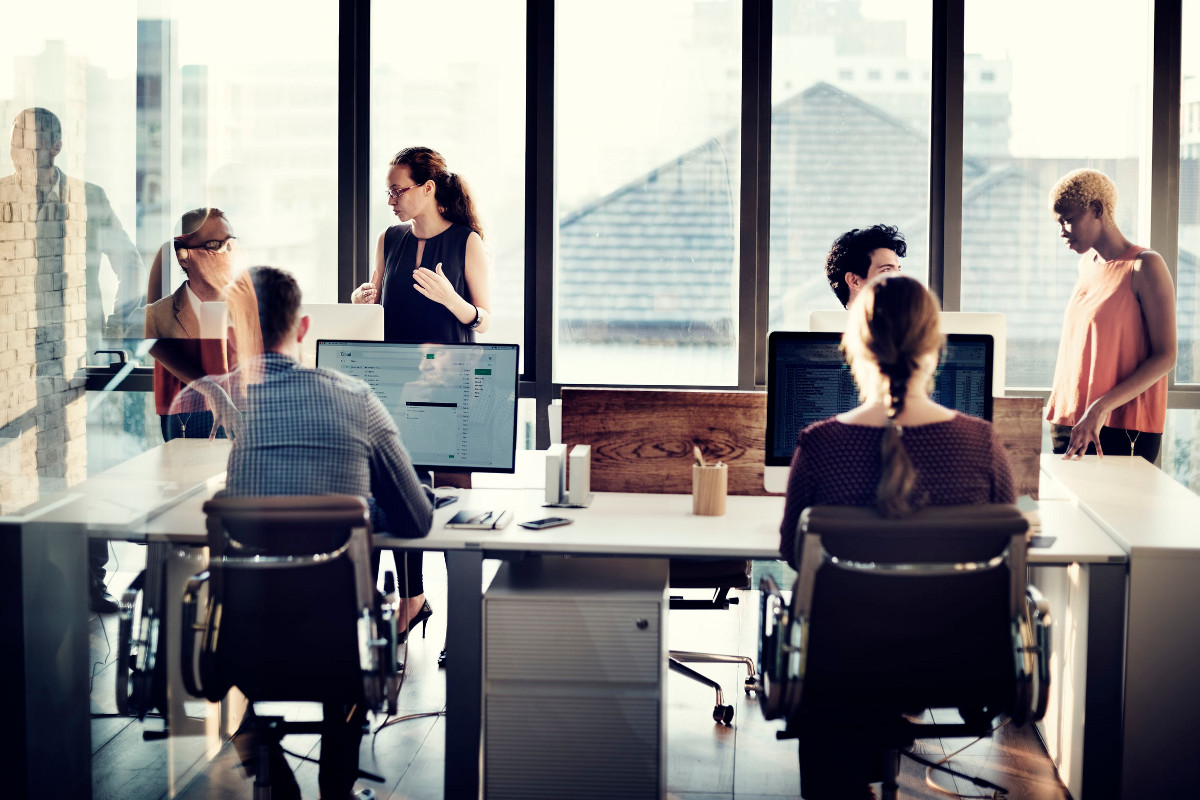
(959, 461)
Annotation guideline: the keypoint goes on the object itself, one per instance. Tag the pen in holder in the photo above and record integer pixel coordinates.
(710, 483)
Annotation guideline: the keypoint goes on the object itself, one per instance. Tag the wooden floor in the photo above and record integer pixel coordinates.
(706, 761)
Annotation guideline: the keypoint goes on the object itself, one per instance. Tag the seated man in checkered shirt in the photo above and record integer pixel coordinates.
(316, 431)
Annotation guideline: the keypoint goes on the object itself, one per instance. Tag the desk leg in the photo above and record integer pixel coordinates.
(1105, 679)
(46, 587)
(464, 673)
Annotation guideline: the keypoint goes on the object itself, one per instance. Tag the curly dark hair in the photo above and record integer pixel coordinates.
(851, 252)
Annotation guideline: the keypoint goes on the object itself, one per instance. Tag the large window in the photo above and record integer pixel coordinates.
(462, 94)
(850, 101)
(246, 122)
(1038, 102)
(648, 144)
(1187, 284)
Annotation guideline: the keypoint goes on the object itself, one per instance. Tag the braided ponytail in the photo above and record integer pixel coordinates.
(897, 475)
(894, 322)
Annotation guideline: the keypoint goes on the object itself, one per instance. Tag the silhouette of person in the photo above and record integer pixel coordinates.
(45, 214)
(40, 192)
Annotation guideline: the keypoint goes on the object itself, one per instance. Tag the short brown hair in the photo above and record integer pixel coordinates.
(278, 297)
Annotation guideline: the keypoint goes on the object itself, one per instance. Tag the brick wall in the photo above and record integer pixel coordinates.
(43, 309)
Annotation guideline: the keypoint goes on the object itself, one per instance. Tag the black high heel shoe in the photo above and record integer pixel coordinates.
(422, 617)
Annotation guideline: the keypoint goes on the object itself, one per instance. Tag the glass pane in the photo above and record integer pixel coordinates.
(1181, 447)
(648, 142)
(248, 124)
(1187, 283)
(1030, 92)
(849, 141)
(468, 104)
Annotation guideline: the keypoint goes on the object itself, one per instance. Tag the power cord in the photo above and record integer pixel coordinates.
(997, 792)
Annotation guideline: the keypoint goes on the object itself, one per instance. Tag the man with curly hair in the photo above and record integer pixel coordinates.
(859, 255)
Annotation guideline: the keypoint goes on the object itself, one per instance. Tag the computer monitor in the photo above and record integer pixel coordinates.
(808, 380)
(992, 323)
(455, 404)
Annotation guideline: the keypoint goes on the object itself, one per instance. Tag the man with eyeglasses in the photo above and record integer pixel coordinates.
(182, 358)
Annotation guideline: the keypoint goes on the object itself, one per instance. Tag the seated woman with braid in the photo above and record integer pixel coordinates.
(898, 451)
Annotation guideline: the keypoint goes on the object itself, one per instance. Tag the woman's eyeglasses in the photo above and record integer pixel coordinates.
(394, 194)
(212, 246)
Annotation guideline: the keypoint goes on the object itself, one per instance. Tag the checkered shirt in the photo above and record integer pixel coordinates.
(317, 431)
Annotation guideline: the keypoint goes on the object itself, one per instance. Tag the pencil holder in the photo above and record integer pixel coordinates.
(709, 486)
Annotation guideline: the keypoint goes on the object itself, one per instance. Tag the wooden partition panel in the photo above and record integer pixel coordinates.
(642, 438)
(1018, 423)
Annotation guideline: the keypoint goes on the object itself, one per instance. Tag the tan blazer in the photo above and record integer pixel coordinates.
(172, 317)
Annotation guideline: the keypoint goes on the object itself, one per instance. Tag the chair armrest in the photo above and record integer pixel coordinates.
(193, 637)
(1039, 617)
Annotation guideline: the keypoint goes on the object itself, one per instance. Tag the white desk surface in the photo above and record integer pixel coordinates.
(158, 496)
(120, 501)
(1142, 508)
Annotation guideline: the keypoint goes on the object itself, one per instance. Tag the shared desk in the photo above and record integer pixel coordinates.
(1097, 512)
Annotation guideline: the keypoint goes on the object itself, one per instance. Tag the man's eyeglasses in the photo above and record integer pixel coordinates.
(394, 194)
(212, 246)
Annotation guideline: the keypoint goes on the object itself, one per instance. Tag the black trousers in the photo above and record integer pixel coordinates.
(193, 425)
(1113, 441)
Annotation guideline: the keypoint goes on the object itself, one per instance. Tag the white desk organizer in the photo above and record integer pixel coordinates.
(579, 495)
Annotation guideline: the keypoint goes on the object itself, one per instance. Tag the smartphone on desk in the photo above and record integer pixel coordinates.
(548, 522)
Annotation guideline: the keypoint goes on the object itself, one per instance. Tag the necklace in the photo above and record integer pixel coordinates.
(1132, 441)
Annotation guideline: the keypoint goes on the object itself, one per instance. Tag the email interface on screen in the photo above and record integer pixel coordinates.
(455, 404)
(810, 381)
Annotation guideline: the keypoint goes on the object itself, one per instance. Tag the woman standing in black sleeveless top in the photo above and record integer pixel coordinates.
(431, 272)
(431, 276)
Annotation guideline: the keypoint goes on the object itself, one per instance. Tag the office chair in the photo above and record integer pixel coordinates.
(721, 576)
(890, 617)
(289, 612)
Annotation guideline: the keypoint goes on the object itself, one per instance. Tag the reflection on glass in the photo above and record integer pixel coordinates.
(648, 185)
(849, 141)
(1026, 124)
(1181, 447)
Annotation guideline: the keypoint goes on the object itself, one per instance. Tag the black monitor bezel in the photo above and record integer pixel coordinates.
(445, 469)
(835, 337)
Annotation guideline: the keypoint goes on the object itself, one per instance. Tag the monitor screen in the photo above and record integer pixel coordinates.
(808, 380)
(455, 404)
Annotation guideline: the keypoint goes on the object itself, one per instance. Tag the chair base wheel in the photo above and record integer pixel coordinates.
(723, 714)
(751, 685)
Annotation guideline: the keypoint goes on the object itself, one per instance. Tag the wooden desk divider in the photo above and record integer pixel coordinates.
(642, 438)
(1018, 423)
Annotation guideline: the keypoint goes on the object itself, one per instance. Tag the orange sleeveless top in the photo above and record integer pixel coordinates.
(1104, 339)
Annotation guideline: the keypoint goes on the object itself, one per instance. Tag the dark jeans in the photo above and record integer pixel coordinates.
(1113, 441)
(840, 754)
(97, 558)
(194, 425)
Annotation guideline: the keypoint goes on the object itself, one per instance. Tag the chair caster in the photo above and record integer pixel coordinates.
(723, 714)
(751, 685)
